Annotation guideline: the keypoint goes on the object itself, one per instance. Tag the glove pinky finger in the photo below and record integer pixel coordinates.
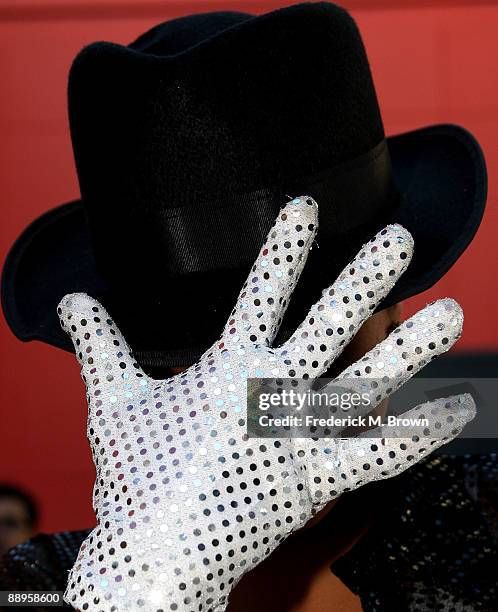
(389, 450)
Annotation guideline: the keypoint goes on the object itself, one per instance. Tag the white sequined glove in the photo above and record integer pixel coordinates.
(186, 503)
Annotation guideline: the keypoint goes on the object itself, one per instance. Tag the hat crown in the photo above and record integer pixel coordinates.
(221, 102)
(188, 141)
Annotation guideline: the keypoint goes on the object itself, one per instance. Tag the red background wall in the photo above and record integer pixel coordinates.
(432, 62)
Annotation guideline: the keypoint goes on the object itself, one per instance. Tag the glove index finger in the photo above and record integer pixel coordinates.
(100, 348)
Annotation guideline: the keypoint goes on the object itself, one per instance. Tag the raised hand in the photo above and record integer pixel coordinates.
(186, 502)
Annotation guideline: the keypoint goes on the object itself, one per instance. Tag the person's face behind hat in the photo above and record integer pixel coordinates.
(280, 582)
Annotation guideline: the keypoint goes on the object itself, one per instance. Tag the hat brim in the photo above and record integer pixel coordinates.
(441, 175)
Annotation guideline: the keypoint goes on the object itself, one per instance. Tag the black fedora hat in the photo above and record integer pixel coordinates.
(188, 141)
